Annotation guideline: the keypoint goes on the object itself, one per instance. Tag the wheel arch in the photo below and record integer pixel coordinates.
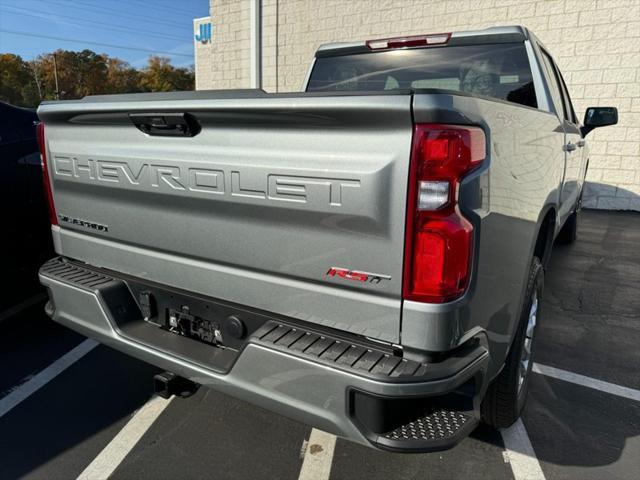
(541, 245)
(545, 234)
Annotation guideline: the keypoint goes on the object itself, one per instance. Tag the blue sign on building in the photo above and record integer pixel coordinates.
(204, 36)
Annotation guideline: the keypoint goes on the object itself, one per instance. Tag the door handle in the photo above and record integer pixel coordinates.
(581, 143)
(570, 147)
(166, 124)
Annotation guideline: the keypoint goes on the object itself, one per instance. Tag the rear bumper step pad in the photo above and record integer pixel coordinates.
(360, 358)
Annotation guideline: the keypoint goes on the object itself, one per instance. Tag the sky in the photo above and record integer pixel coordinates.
(128, 29)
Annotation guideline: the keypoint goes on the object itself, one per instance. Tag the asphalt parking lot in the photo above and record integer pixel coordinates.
(70, 408)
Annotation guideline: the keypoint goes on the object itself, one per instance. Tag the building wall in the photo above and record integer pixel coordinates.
(595, 42)
(203, 58)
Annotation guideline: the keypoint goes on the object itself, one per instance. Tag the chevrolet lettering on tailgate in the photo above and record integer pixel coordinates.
(285, 188)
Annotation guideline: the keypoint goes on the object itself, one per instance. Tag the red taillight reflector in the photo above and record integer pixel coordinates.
(439, 239)
(441, 258)
(46, 181)
(407, 42)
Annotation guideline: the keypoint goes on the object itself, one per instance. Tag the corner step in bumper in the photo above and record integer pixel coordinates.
(439, 428)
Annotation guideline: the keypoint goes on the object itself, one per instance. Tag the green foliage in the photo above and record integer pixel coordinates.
(84, 73)
(16, 81)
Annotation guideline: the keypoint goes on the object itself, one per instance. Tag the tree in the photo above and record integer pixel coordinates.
(121, 77)
(84, 73)
(17, 81)
(79, 73)
(91, 73)
(160, 76)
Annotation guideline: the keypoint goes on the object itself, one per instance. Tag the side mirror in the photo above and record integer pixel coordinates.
(596, 117)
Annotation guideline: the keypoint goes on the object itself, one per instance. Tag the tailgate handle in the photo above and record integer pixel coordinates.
(166, 124)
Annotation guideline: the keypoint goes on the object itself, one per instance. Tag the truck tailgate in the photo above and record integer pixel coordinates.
(255, 209)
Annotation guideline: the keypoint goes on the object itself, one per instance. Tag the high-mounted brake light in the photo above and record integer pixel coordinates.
(406, 42)
(439, 240)
(46, 181)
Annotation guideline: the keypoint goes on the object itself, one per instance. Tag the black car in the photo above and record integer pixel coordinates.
(26, 236)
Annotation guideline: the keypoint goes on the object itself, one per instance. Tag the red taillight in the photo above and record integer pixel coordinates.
(407, 42)
(439, 240)
(48, 194)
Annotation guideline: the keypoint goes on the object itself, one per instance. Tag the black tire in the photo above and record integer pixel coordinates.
(569, 230)
(504, 399)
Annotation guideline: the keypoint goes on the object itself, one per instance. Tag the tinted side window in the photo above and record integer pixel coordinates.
(554, 85)
(500, 71)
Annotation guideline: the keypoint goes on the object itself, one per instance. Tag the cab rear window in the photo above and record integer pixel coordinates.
(499, 71)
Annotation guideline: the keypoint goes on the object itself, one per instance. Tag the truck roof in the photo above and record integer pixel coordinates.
(515, 33)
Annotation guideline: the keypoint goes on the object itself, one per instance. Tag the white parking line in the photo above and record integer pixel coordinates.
(518, 448)
(589, 382)
(114, 453)
(519, 451)
(320, 449)
(318, 457)
(16, 309)
(39, 380)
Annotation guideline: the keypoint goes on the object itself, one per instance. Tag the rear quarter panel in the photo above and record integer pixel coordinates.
(505, 200)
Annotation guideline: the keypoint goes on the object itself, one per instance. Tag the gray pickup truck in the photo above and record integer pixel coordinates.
(366, 256)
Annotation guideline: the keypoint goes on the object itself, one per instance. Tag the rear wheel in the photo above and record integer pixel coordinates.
(506, 396)
(569, 230)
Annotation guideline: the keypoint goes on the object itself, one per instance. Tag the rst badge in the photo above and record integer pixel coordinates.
(364, 277)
